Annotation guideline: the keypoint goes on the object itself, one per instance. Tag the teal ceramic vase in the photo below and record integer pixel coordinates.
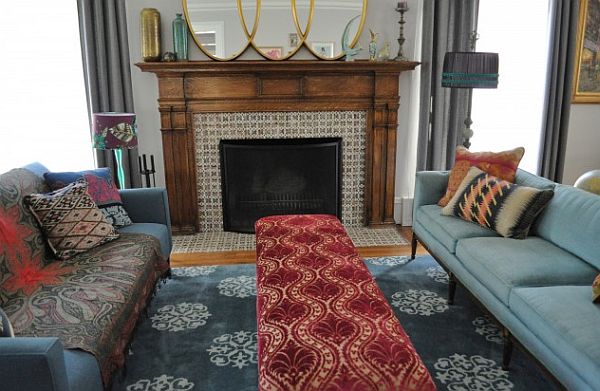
(180, 38)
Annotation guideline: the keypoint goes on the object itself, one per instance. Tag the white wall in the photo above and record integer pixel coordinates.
(381, 17)
(583, 141)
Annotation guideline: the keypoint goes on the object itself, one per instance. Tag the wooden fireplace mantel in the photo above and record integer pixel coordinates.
(192, 87)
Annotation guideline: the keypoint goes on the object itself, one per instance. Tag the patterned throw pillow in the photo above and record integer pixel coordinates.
(596, 290)
(101, 188)
(499, 164)
(70, 220)
(497, 204)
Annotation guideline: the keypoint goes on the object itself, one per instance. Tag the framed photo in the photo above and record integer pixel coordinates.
(294, 40)
(323, 49)
(587, 64)
(274, 52)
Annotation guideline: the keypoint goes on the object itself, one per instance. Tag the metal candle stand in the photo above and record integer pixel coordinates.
(147, 172)
(402, 7)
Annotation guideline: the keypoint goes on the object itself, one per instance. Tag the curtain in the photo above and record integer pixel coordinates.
(447, 26)
(559, 87)
(107, 73)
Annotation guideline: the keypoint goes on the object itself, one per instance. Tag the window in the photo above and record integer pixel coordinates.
(511, 115)
(212, 36)
(43, 107)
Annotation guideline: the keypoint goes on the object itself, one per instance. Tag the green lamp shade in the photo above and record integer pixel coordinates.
(470, 70)
(590, 181)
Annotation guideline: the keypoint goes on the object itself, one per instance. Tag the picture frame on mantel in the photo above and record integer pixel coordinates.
(587, 64)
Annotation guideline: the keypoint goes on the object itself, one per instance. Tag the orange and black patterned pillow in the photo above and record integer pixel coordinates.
(500, 164)
(596, 290)
(497, 204)
(70, 220)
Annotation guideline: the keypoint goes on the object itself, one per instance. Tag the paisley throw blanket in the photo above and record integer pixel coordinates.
(323, 323)
(91, 301)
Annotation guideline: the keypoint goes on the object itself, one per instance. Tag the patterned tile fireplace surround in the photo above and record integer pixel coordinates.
(210, 128)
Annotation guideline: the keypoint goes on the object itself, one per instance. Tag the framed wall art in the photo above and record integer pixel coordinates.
(587, 66)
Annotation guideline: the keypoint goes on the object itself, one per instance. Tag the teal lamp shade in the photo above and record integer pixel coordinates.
(116, 131)
(470, 70)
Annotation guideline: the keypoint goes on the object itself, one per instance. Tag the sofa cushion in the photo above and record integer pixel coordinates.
(572, 221)
(497, 204)
(102, 189)
(159, 231)
(564, 318)
(449, 229)
(501, 264)
(22, 245)
(70, 220)
(501, 164)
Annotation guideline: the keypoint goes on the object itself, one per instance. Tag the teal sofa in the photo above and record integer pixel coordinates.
(539, 288)
(107, 287)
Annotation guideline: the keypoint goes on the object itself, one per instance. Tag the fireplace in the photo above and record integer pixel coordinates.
(263, 177)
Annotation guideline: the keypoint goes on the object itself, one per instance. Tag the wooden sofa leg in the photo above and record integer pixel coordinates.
(413, 246)
(451, 288)
(508, 348)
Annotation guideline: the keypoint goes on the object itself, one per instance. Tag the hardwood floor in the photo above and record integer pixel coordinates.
(235, 257)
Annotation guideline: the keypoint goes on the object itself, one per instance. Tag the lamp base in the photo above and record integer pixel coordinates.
(120, 171)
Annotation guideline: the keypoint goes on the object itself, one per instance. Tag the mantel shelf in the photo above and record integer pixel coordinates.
(275, 66)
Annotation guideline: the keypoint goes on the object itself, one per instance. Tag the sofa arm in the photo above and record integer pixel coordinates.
(32, 364)
(147, 205)
(430, 186)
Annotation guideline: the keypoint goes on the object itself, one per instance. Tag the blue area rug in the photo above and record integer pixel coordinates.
(200, 333)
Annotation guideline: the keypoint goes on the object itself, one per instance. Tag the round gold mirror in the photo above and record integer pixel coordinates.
(222, 29)
(278, 35)
(328, 23)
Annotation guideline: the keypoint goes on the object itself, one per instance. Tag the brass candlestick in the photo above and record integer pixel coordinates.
(402, 7)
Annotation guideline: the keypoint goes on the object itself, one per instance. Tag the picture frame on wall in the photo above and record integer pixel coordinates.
(324, 49)
(272, 52)
(587, 64)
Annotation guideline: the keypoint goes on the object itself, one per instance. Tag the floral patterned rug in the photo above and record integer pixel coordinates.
(200, 333)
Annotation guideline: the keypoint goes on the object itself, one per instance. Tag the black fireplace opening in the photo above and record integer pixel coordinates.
(279, 176)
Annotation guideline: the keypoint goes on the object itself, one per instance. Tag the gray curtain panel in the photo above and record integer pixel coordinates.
(103, 29)
(447, 26)
(559, 87)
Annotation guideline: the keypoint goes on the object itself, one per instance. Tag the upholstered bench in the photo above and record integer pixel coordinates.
(323, 323)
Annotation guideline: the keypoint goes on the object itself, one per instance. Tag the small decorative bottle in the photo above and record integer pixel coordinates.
(180, 38)
(373, 46)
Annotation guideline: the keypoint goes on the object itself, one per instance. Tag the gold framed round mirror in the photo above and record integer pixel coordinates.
(328, 23)
(222, 29)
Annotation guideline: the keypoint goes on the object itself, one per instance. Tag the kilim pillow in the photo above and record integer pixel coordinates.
(101, 188)
(497, 204)
(70, 220)
(500, 164)
(596, 290)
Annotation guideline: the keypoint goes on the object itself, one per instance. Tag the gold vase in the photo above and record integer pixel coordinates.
(150, 33)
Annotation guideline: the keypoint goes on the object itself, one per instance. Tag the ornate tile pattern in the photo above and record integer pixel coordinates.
(210, 128)
(231, 241)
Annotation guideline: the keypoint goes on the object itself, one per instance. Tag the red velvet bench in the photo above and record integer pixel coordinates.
(323, 323)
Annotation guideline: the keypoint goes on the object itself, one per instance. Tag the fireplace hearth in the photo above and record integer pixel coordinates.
(263, 177)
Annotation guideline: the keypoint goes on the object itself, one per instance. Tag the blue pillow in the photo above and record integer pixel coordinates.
(101, 189)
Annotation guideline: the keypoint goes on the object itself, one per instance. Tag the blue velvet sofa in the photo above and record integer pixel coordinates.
(539, 288)
(113, 284)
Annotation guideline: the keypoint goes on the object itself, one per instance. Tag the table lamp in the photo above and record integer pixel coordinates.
(116, 131)
(470, 70)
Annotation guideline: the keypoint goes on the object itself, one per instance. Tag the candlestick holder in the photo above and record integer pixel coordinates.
(145, 171)
(401, 9)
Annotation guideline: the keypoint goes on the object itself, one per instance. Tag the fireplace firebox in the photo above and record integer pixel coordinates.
(279, 176)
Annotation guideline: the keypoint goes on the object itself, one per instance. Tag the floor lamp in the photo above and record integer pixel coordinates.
(470, 70)
(116, 131)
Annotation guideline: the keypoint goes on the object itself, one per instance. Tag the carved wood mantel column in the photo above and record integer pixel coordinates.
(192, 87)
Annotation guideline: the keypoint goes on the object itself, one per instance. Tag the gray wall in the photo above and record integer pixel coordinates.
(583, 142)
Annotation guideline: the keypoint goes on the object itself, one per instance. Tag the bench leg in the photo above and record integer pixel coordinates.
(451, 288)
(508, 348)
(413, 246)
